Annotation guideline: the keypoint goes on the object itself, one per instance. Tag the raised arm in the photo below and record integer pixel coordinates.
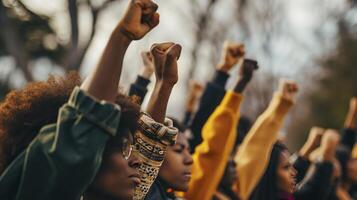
(138, 20)
(152, 145)
(232, 54)
(318, 181)
(139, 87)
(219, 134)
(349, 132)
(165, 61)
(63, 159)
(301, 159)
(194, 94)
(253, 155)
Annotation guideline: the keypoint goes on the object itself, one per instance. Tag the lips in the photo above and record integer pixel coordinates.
(187, 176)
(135, 178)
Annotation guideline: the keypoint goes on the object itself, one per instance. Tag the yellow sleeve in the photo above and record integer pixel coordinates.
(211, 156)
(253, 155)
(354, 151)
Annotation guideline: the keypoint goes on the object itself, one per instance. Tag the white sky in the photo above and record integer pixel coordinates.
(304, 17)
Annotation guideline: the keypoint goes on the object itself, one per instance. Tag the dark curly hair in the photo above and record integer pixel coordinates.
(24, 112)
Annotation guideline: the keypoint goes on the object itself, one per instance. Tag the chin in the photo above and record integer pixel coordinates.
(182, 188)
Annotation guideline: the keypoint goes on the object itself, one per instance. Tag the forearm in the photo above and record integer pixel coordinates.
(158, 101)
(103, 82)
(254, 153)
(210, 157)
(241, 85)
(350, 121)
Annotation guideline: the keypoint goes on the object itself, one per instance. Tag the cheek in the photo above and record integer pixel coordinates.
(352, 170)
(284, 179)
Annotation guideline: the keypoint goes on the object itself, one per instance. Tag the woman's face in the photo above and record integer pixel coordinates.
(176, 169)
(119, 175)
(286, 174)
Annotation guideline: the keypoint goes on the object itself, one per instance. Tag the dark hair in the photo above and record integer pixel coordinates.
(24, 112)
(267, 188)
(177, 124)
(343, 155)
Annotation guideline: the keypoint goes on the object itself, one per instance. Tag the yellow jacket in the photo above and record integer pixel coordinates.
(253, 155)
(210, 157)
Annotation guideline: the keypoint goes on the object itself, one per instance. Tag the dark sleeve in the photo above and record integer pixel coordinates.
(301, 165)
(187, 119)
(348, 137)
(317, 183)
(139, 88)
(211, 98)
(64, 158)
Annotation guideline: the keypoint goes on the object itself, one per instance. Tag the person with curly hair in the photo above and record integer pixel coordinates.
(64, 141)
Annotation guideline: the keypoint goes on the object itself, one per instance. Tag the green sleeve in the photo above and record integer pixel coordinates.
(64, 158)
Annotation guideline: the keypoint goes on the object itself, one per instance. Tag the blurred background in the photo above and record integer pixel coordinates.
(311, 41)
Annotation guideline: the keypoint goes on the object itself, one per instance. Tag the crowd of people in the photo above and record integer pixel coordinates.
(65, 138)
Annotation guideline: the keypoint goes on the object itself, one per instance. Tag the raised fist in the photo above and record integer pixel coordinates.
(165, 56)
(330, 139)
(353, 104)
(231, 55)
(288, 89)
(148, 62)
(194, 94)
(247, 69)
(139, 19)
(315, 136)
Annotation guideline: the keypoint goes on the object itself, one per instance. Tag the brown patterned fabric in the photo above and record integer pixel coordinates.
(151, 142)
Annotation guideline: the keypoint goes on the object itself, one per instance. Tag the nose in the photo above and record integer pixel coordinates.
(188, 158)
(134, 160)
(293, 171)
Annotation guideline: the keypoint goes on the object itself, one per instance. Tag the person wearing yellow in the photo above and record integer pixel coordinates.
(253, 155)
(210, 157)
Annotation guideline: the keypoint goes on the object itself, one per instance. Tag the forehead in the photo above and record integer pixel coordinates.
(284, 156)
(182, 139)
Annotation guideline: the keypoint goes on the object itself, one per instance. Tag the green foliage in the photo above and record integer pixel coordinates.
(339, 82)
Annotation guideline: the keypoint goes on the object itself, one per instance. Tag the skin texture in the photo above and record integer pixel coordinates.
(286, 174)
(165, 56)
(176, 169)
(117, 177)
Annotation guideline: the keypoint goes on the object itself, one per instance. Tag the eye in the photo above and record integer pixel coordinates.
(179, 148)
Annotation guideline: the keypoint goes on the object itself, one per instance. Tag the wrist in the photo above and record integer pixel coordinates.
(224, 67)
(163, 85)
(145, 72)
(241, 84)
(120, 38)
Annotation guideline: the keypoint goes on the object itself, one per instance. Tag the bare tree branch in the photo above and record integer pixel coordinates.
(12, 43)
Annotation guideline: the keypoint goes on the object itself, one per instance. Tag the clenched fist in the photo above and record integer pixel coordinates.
(288, 89)
(232, 54)
(148, 68)
(165, 57)
(139, 19)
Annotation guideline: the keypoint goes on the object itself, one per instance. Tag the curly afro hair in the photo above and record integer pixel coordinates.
(24, 112)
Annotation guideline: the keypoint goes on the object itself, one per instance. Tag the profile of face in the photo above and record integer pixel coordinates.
(352, 170)
(286, 173)
(176, 169)
(119, 173)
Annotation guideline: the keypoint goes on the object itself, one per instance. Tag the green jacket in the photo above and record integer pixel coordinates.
(64, 158)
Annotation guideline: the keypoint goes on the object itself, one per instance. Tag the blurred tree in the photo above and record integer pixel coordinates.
(27, 36)
(338, 81)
